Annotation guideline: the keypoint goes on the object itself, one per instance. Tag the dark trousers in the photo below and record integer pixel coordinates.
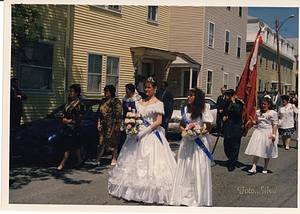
(165, 126)
(231, 149)
(219, 122)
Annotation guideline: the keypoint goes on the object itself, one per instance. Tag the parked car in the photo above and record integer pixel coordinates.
(180, 103)
(41, 137)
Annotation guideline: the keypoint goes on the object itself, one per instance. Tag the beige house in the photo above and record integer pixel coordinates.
(267, 65)
(216, 40)
(96, 45)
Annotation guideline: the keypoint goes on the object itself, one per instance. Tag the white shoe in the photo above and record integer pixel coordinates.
(96, 163)
(265, 171)
(252, 171)
(113, 164)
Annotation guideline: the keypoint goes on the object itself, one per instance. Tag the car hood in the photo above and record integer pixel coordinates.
(40, 129)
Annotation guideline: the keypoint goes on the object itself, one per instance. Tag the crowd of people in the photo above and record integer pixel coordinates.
(146, 169)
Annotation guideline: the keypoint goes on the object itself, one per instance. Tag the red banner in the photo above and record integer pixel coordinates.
(246, 91)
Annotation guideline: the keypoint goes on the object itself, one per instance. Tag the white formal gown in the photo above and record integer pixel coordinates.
(192, 185)
(260, 145)
(145, 167)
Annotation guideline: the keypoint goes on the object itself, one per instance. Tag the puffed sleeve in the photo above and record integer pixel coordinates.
(274, 118)
(206, 115)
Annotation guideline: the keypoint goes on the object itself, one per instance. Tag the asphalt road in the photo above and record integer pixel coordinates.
(31, 182)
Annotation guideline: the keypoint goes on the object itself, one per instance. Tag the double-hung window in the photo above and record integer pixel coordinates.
(239, 44)
(225, 80)
(209, 82)
(152, 13)
(227, 37)
(112, 71)
(36, 67)
(240, 11)
(211, 34)
(117, 8)
(237, 80)
(94, 73)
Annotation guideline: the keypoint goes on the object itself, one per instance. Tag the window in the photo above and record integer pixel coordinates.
(153, 13)
(209, 82)
(265, 85)
(227, 41)
(259, 84)
(211, 34)
(237, 80)
(260, 59)
(239, 43)
(272, 64)
(115, 7)
(36, 67)
(268, 33)
(225, 80)
(112, 71)
(290, 72)
(229, 8)
(94, 73)
(276, 65)
(266, 62)
(240, 11)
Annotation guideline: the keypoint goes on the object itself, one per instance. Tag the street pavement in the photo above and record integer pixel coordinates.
(31, 182)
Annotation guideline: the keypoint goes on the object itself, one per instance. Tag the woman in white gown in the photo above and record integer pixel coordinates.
(264, 140)
(146, 165)
(192, 185)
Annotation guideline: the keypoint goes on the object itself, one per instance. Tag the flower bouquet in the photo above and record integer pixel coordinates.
(193, 130)
(131, 122)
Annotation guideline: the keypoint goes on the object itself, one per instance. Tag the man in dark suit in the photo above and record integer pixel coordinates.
(16, 97)
(220, 104)
(232, 117)
(167, 98)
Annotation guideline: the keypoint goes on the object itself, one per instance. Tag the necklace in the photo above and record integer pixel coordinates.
(147, 100)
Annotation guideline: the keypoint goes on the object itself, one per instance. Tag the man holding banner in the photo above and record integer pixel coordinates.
(232, 119)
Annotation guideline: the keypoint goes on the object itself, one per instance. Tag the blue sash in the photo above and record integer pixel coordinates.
(198, 140)
(154, 131)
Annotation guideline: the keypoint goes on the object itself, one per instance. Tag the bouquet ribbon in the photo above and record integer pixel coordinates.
(198, 141)
(154, 131)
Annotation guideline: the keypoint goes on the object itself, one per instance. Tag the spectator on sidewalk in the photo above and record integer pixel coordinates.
(16, 98)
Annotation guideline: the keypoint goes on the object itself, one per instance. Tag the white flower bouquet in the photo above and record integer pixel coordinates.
(193, 129)
(131, 122)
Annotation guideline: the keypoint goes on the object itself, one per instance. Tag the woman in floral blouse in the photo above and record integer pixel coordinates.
(110, 117)
(286, 123)
(73, 114)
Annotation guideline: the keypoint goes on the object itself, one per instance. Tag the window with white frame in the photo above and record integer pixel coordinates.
(153, 13)
(240, 11)
(225, 80)
(94, 73)
(239, 44)
(112, 71)
(227, 35)
(36, 67)
(209, 82)
(115, 7)
(211, 35)
(237, 80)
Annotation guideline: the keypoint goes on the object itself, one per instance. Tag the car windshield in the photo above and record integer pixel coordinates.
(181, 103)
(90, 111)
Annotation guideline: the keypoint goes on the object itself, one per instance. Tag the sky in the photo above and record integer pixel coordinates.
(290, 29)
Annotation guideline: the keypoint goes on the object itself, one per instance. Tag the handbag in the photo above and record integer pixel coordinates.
(71, 129)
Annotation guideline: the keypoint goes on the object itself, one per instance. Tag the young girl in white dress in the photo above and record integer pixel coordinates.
(146, 165)
(192, 185)
(264, 140)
